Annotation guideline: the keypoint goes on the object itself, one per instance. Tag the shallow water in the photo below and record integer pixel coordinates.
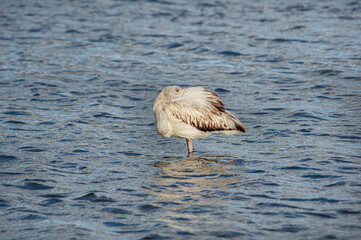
(79, 155)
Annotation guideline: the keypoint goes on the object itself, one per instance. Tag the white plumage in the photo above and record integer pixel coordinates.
(192, 113)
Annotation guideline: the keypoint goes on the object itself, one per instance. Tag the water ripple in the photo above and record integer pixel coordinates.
(79, 154)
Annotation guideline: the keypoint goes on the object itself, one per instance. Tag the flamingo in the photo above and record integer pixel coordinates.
(192, 113)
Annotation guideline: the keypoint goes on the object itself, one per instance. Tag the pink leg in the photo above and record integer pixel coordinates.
(190, 145)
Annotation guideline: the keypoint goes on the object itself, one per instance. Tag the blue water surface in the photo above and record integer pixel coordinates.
(79, 154)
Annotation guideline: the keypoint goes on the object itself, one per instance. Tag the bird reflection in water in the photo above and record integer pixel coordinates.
(194, 181)
(187, 190)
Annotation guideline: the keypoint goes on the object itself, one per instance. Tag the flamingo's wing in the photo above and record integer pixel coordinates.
(204, 110)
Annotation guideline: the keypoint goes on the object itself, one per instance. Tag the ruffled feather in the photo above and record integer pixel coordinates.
(204, 110)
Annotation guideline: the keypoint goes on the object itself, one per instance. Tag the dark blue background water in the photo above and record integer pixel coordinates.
(79, 155)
